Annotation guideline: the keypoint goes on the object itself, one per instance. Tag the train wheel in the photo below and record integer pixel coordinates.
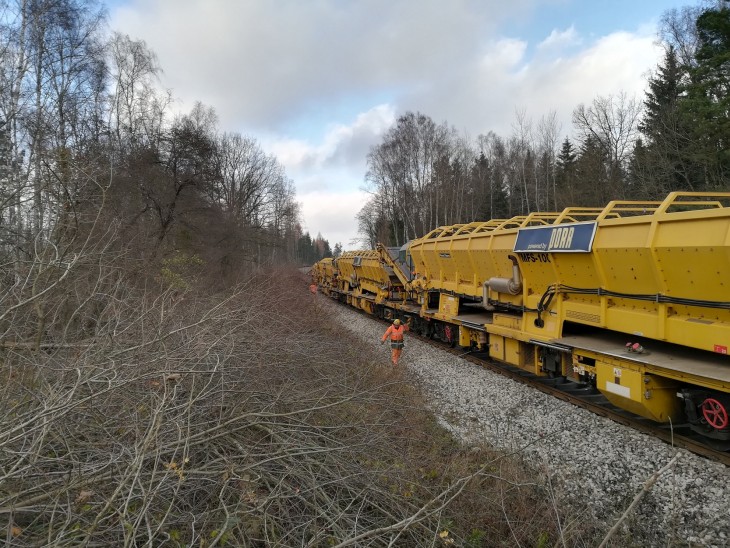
(715, 413)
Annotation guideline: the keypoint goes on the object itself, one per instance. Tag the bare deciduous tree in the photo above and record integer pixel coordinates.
(134, 68)
(612, 122)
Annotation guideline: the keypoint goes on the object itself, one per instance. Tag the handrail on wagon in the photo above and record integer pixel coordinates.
(615, 209)
(578, 214)
(627, 206)
(679, 199)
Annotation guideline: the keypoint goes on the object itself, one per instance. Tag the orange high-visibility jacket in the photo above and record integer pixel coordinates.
(395, 333)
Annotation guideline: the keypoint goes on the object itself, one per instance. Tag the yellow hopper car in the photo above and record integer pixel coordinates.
(632, 298)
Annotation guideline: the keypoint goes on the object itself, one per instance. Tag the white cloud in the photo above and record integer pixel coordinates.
(502, 56)
(329, 174)
(614, 64)
(318, 83)
(560, 39)
(332, 214)
(343, 147)
(346, 143)
(485, 95)
(262, 62)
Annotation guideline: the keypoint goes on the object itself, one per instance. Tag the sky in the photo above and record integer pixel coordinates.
(319, 82)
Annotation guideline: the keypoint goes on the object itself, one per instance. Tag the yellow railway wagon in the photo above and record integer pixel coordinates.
(474, 260)
(365, 278)
(324, 274)
(661, 274)
(631, 298)
(639, 299)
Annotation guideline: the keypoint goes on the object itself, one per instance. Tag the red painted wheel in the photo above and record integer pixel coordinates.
(715, 413)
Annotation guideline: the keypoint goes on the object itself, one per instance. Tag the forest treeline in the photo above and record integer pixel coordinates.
(677, 137)
(88, 140)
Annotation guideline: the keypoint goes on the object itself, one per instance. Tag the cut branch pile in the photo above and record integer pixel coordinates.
(233, 421)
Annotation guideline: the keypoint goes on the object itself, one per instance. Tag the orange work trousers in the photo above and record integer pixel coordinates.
(396, 349)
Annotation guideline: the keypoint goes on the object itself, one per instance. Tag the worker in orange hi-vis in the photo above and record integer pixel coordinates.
(395, 332)
(313, 291)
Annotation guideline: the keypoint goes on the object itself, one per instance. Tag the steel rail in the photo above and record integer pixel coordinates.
(586, 397)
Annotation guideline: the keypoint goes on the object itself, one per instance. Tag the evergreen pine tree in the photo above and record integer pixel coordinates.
(660, 105)
(662, 160)
(591, 186)
(706, 109)
(566, 174)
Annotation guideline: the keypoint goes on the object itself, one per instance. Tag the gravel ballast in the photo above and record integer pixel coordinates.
(598, 465)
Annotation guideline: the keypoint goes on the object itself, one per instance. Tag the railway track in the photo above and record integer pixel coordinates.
(595, 465)
(587, 397)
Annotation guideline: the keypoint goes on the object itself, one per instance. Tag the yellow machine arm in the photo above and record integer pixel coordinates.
(408, 285)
